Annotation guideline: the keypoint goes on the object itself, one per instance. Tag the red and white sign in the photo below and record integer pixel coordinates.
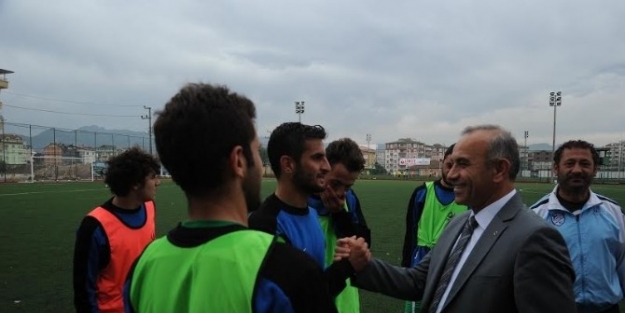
(413, 162)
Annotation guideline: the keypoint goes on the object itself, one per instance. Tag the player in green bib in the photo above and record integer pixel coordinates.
(430, 208)
(213, 262)
(339, 209)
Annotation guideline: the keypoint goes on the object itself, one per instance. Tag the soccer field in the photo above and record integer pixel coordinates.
(38, 222)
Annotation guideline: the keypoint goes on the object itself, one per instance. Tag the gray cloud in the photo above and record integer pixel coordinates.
(392, 69)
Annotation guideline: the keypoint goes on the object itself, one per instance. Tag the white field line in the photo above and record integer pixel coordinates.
(49, 191)
(592, 187)
(54, 191)
(523, 190)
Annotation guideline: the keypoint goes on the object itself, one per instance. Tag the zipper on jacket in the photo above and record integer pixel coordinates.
(581, 259)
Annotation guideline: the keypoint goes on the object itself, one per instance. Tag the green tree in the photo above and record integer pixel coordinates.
(3, 167)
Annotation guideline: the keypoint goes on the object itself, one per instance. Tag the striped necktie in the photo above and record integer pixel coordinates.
(452, 261)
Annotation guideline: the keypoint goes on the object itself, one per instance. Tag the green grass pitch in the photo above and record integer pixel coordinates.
(38, 223)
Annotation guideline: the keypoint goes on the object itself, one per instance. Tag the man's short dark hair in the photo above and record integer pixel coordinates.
(128, 169)
(449, 151)
(576, 144)
(290, 139)
(196, 132)
(346, 152)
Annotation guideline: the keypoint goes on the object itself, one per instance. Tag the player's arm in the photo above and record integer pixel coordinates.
(281, 279)
(336, 275)
(352, 223)
(154, 204)
(394, 281)
(413, 214)
(620, 253)
(128, 306)
(91, 254)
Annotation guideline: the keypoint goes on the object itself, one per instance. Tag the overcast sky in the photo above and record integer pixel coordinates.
(393, 69)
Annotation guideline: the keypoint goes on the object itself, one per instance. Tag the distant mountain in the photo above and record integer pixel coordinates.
(89, 136)
(540, 146)
(94, 135)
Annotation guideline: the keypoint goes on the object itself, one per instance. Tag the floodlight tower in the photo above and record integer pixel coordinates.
(299, 109)
(526, 149)
(527, 134)
(555, 100)
(149, 118)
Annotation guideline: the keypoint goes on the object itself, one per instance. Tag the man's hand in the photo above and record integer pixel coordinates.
(333, 202)
(342, 250)
(355, 250)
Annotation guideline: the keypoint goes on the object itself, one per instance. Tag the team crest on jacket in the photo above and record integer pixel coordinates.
(557, 218)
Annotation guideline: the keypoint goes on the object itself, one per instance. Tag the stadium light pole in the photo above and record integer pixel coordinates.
(555, 100)
(266, 162)
(3, 138)
(368, 149)
(299, 109)
(56, 169)
(527, 150)
(32, 166)
(620, 155)
(149, 118)
(527, 134)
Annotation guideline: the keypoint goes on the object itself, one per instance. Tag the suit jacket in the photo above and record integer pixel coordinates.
(519, 264)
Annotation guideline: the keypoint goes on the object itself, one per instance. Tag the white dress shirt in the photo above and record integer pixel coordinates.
(483, 218)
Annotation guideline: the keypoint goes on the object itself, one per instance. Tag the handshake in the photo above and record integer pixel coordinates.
(356, 250)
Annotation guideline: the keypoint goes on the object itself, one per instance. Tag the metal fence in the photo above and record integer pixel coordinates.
(53, 147)
(38, 137)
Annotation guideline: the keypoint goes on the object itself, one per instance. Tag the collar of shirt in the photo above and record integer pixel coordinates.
(486, 215)
(554, 203)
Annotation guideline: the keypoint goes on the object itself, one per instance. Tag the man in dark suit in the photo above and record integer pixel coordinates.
(497, 257)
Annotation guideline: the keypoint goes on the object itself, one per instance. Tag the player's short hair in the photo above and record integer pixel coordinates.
(346, 152)
(196, 132)
(449, 151)
(128, 169)
(577, 144)
(290, 139)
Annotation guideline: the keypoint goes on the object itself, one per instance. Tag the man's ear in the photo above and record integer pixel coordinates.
(237, 162)
(287, 164)
(554, 169)
(501, 168)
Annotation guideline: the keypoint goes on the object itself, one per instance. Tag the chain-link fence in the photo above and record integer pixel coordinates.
(51, 153)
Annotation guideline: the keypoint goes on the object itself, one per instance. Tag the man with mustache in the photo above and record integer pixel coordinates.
(592, 225)
(430, 208)
(212, 262)
(298, 160)
(497, 257)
